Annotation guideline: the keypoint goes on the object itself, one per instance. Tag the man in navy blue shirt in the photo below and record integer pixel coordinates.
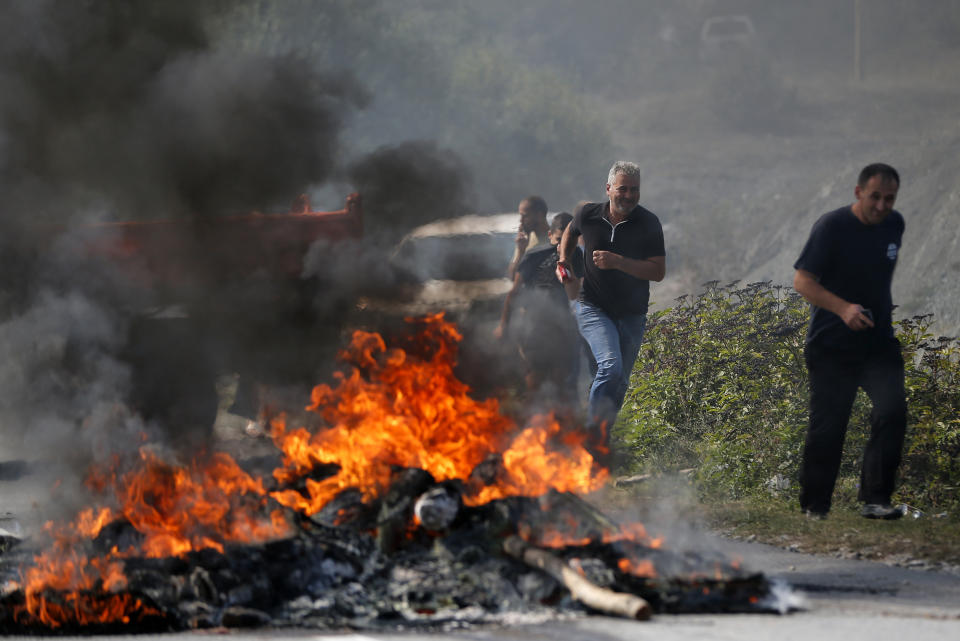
(845, 272)
(622, 252)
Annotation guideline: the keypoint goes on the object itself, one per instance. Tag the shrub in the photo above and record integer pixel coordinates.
(931, 468)
(721, 387)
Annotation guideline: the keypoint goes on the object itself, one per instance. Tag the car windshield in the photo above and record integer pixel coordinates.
(727, 28)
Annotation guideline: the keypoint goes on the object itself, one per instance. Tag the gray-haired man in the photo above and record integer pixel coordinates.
(623, 252)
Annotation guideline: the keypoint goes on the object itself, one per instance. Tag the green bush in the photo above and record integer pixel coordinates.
(932, 452)
(721, 388)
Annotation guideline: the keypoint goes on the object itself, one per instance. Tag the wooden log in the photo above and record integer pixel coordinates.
(588, 593)
(626, 481)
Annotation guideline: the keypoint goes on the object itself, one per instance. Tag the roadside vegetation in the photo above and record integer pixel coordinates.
(720, 392)
(926, 542)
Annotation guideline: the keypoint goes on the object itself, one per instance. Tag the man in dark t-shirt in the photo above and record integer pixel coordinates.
(623, 251)
(537, 309)
(533, 230)
(845, 272)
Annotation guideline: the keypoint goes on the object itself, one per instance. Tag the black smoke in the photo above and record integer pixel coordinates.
(126, 106)
(123, 110)
(410, 184)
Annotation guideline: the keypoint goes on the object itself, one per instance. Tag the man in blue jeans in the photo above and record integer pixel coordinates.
(623, 252)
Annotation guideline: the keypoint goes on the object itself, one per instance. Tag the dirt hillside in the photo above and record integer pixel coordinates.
(738, 195)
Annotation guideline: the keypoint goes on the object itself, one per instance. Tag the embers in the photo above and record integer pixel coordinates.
(379, 569)
(361, 535)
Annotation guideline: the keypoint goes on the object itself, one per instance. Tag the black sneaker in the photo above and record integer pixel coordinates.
(883, 511)
(814, 515)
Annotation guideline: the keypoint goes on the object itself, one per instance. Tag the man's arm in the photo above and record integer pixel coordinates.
(501, 329)
(522, 241)
(808, 286)
(568, 245)
(653, 268)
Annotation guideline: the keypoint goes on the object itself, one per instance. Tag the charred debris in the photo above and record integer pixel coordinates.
(377, 565)
(408, 505)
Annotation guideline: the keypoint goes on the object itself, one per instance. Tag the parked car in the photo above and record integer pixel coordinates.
(724, 35)
(458, 265)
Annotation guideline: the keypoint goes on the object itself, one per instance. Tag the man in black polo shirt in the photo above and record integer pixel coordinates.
(623, 252)
(845, 271)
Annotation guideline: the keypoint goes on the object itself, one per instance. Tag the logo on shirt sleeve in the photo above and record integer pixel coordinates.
(892, 251)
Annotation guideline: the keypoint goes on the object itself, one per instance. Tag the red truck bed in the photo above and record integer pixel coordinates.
(172, 254)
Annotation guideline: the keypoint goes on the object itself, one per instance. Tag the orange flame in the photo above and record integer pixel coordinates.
(176, 509)
(87, 589)
(180, 510)
(552, 537)
(642, 567)
(397, 409)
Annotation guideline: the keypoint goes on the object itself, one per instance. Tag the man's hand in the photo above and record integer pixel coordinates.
(563, 272)
(852, 314)
(854, 317)
(606, 260)
(522, 240)
(498, 331)
(652, 268)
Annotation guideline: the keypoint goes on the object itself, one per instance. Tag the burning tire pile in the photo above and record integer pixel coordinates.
(407, 504)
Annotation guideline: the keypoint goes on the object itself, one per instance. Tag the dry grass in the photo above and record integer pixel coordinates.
(928, 541)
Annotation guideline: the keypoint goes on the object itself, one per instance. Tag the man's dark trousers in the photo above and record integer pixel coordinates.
(835, 376)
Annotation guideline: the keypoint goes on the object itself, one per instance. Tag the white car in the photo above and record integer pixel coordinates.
(723, 35)
(456, 264)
